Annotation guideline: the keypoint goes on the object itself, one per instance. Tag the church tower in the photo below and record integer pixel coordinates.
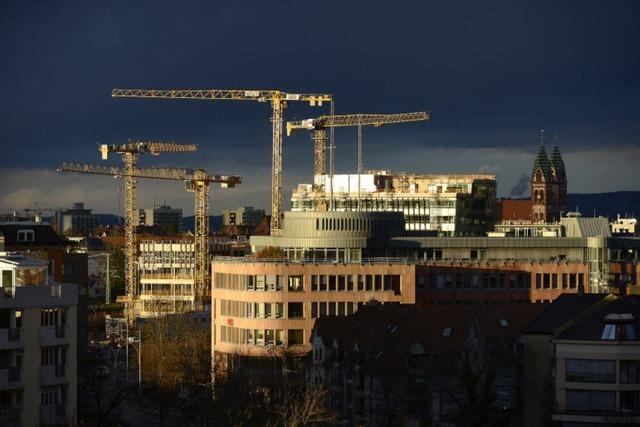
(541, 186)
(559, 176)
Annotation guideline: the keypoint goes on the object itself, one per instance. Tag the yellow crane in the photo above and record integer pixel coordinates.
(320, 124)
(197, 181)
(278, 100)
(130, 153)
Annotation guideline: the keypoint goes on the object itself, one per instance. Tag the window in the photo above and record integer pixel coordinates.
(323, 283)
(630, 401)
(296, 283)
(295, 310)
(332, 282)
(7, 279)
(314, 282)
(591, 400)
(26, 236)
(296, 337)
(590, 371)
(52, 316)
(314, 310)
(341, 282)
(630, 371)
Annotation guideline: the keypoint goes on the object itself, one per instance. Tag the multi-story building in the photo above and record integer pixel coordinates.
(76, 221)
(581, 362)
(330, 263)
(625, 226)
(38, 345)
(447, 205)
(242, 216)
(167, 279)
(163, 219)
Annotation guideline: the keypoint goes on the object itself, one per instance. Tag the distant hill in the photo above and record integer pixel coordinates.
(215, 223)
(606, 204)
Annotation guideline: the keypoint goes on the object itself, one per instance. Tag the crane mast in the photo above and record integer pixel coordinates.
(278, 100)
(196, 181)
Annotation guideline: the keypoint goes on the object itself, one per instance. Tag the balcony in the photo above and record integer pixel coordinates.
(53, 335)
(10, 416)
(10, 337)
(53, 374)
(55, 414)
(10, 378)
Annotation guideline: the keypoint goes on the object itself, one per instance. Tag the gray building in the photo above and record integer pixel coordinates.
(162, 218)
(76, 221)
(244, 215)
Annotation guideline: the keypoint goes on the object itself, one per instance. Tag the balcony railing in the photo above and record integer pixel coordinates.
(53, 374)
(51, 335)
(54, 414)
(61, 370)
(60, 331)
(9, 415)
(14, 334)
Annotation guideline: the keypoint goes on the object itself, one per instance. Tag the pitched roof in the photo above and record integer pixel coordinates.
(43, 234)
(586, 227)
(565, 308)
(542, 162)
(558, 164)
(514, 209)
(590, 327)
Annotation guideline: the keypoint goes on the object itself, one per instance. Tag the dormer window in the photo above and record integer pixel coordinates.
(619, 327)
(26, 236)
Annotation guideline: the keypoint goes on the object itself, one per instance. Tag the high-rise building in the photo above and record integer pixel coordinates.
(243, 216)
(76, 221)
(447, 205)
(163, 218)
(38, 345)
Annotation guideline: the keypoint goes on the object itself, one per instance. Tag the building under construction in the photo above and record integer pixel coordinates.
(447, 205)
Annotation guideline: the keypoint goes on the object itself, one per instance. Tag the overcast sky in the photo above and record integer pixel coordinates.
(492, 74)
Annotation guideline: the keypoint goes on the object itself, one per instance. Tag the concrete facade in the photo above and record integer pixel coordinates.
(38, 346)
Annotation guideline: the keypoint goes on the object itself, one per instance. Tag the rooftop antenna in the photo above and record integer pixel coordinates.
(541, 136)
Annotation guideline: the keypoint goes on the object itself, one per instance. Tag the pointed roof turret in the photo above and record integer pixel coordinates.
(558, 164)
(542, 162)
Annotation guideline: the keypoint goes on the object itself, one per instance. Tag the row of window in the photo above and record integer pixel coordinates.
(602, 401)
(356, 282)
(261, 337)
(333, 308)
(261, 310)
(53, 317)
(474, 280)
(54, 355)
(557, 281)
(258, 282)
(602, 371)
(166, 289)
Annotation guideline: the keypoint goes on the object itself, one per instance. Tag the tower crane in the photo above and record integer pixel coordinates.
(196, 181)
(130, 153)
(278, 100)
(320, 124)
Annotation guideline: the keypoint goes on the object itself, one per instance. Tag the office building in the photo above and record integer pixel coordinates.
(162, 219)
(38, 345)
(246, 216)
(76, 221)
(446, 205)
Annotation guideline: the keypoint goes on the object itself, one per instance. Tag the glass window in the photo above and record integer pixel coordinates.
(314, 282)
(630, 401)
(351, 279)
(323, 282)
(295, 310)
(591, 371)
(341, 311)
(578, 400)
(630, 371)
(296, 336)
(332, 282)
(296, 283)
(341, 282)
(314, 310)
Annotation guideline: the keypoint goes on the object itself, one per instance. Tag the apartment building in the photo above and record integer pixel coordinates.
(38, 345)
(76, 221)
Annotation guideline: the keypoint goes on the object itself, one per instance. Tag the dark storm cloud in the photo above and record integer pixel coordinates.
(491, 73)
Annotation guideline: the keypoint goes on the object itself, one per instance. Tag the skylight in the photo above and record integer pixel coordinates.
(609, 332)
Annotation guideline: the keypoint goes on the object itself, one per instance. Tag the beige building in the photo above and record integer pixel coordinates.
(597, 366)
(38, 345)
